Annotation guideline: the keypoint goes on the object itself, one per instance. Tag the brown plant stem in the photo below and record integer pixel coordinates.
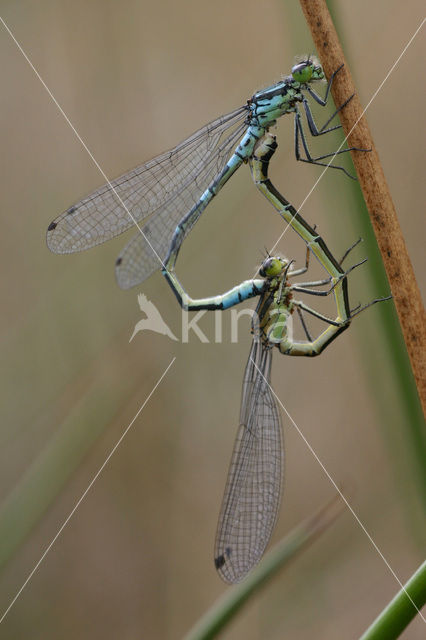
(373, 183)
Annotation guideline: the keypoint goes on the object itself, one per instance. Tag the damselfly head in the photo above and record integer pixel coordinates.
(307, 69)
(273, 266)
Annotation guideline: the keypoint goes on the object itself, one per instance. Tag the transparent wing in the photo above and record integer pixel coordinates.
(253, 489)
(145, 252)
(101, 216)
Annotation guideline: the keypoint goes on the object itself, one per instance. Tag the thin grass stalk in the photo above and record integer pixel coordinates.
(222, 612)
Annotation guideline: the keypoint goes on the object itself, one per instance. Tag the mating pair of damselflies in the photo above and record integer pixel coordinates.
(168, 195)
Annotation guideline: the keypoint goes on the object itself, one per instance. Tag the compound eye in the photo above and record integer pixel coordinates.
(271, 267)
(302, 72)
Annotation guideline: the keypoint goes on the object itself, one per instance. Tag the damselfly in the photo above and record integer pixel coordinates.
(253, 489)
(173, 189)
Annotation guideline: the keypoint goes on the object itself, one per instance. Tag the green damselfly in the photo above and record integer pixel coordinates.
(254, 485)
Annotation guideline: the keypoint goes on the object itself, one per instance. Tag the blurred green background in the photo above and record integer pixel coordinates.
(135, 561)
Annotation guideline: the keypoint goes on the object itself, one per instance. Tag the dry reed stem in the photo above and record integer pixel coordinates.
(379, 203)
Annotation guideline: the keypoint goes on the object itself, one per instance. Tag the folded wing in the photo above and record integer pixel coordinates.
(253, 489)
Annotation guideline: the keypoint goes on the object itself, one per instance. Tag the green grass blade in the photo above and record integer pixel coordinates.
(400, 610)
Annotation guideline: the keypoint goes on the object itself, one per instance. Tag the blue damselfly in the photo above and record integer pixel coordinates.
(171, 191)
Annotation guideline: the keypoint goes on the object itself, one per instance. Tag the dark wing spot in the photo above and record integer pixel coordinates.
(52, 226)
(118, 262)
(71, 210)
(219, 561)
